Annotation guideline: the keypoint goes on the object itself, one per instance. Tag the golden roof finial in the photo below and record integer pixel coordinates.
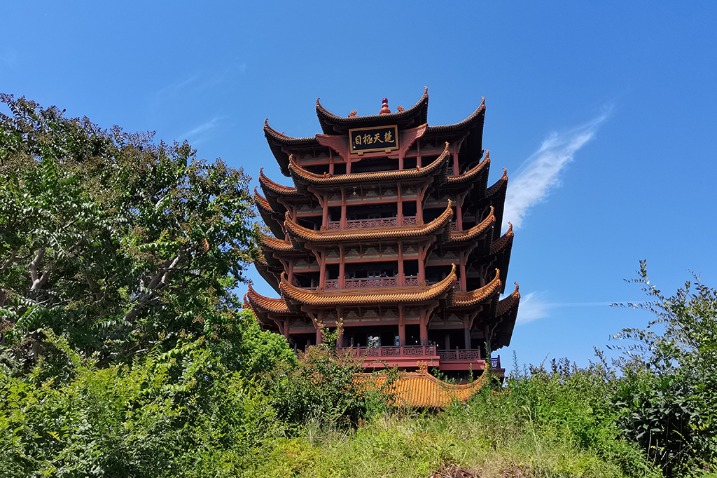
(384, 107)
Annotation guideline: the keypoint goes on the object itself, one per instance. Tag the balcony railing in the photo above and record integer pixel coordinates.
(369, 282)
(456, 355)
(375, 222)
(417, 351)
(466, 355)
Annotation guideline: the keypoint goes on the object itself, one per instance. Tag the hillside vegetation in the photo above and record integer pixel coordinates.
(124, 349)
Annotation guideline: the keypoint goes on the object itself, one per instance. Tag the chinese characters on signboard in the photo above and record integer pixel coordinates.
(382, 138)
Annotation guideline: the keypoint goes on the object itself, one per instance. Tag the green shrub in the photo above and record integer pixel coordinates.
(666, 398)
(322, 389)
(178, 413)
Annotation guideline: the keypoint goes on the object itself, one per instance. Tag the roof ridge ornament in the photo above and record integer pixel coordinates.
(384, 107)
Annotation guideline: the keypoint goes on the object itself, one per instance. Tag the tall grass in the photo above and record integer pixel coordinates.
(547, 423)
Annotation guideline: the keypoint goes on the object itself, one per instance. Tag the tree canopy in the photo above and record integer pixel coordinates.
(112, 240)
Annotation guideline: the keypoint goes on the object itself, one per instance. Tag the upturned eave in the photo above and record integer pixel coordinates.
(474, 232)
(303, 176)
(476, 297)
(408, 118)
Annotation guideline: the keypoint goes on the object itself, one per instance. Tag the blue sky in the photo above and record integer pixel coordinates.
(602, 112)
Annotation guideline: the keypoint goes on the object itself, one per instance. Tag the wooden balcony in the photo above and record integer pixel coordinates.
(372, 223)
(410, 355)
(466, 359)
(398, 356)
(371, 282)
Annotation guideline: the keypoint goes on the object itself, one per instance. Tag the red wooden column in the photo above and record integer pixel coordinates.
(322, 269)
(325, 213)
(342, 268)
(401, 273)
(399, 206)
(424, 327)
(343, 208)
(459, 212)
(401, 327)
(464, 283)
(319, 337)
(422, 265)
(419, 205)
(467, 333)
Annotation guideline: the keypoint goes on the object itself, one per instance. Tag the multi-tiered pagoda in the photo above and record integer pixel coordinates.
(391, 230)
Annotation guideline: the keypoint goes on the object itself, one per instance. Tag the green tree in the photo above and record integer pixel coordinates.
(667, 396)
(112, 240)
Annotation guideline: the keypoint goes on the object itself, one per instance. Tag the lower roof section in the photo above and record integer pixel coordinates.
(420, 389)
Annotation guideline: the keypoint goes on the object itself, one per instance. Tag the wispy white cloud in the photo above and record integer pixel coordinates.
(540, 173)
(199, 133)
(9, 57)
(533, 306)
(178, 85)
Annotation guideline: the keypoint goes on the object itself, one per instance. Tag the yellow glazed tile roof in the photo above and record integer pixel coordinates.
(500, 184)
(420, 389)
(475, 231)
(505, 240)
(469, 175)
(284, 139)
(275, 244)
(266, 303)
(510, 302)
(279, 189)
(420, 109)
(262, 202)
(475, 297)
(475, 118)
